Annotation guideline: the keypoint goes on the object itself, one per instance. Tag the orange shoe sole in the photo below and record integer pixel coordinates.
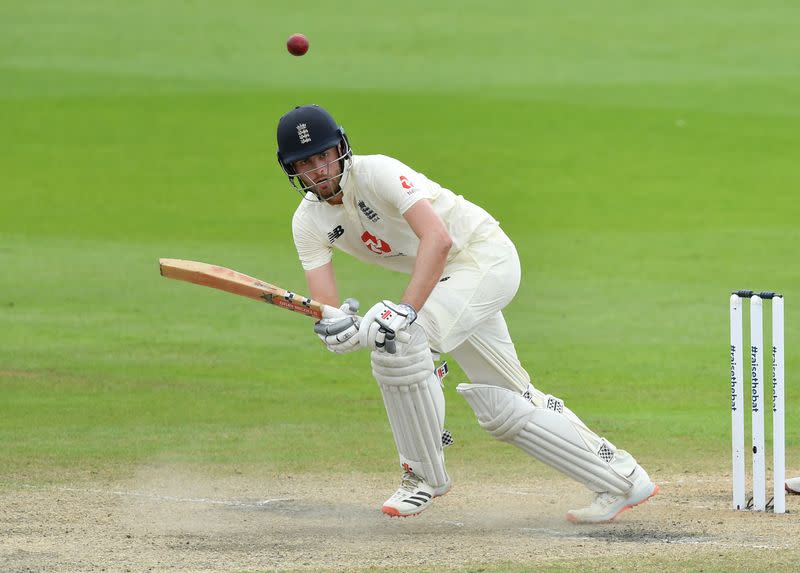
(392, 512)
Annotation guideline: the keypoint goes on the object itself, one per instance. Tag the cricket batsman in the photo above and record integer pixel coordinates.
(463, 271)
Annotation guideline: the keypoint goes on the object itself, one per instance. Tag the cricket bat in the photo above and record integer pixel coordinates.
(238, 283)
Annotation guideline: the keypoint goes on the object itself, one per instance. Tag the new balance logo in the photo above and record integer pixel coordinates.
(302, 133)
(368, 212)
(337, 232)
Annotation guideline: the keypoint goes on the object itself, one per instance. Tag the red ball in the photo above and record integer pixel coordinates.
(297, 44)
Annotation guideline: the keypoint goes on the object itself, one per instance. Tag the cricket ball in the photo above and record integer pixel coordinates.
(297, 44)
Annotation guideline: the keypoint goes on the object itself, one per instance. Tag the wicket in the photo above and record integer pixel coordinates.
(758, 501)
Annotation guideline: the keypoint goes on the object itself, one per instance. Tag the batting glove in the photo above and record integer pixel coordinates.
(339, 332)
(382, 323)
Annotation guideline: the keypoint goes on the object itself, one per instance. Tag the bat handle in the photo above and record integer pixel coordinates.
(330, 311)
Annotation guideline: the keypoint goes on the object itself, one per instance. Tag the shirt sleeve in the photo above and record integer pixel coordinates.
(399, 185)
(312, 247)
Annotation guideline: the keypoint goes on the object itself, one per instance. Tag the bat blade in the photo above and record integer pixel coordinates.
(234, 282)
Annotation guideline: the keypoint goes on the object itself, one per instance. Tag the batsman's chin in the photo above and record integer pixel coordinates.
(326, 189)
(330, 196)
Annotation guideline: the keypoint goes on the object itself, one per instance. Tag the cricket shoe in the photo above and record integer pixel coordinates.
(607, 506)
(413, 497)
(793, 485)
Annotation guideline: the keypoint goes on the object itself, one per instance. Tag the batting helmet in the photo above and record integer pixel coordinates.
(305, 131)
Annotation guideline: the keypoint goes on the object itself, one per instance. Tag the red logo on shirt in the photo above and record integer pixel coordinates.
(374, 244)
(405, 182)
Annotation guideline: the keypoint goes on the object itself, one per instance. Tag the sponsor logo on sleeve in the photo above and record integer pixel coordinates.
(407, 185)
(337, 232)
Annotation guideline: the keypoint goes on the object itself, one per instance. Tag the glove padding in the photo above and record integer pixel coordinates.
(383, 323)
(339, 332)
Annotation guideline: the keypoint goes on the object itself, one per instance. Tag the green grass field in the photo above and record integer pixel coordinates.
(643, 158)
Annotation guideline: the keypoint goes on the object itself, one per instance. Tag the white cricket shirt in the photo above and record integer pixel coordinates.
(369, 224)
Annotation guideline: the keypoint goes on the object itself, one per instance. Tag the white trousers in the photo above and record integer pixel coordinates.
(463, 316)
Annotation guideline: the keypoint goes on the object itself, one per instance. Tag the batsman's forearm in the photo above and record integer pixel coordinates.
(322, 284)
(428, 269)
